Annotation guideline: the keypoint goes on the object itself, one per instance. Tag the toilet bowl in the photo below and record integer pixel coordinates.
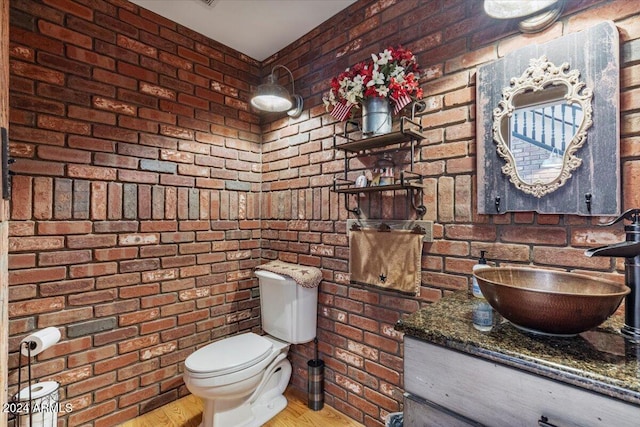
(241, 379)
(245, 386)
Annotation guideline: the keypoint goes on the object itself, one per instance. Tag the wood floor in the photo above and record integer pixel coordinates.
(187, 412)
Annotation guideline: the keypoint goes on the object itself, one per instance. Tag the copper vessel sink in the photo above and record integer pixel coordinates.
(548, 301)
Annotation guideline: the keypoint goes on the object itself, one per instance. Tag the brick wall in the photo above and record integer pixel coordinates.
(141, 193)
(303, 221)
(135, 208)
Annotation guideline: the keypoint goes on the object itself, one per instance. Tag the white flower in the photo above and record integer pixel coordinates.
(377, 78)
(384, 59)
(398, 73)
(351, 98)
(382, 91)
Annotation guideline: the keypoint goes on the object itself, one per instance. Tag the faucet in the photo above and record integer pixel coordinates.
(630, 251)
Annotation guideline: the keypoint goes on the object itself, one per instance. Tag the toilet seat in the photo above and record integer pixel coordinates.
(229, 355)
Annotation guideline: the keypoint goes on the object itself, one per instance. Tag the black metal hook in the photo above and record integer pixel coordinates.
(587, 200)
(497, 202)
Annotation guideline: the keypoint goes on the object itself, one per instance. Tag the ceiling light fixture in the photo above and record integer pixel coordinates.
(272, 97)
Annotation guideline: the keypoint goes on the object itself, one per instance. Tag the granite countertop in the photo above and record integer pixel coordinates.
(599, 360)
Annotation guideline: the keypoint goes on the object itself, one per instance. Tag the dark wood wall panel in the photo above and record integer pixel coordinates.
(595, 53)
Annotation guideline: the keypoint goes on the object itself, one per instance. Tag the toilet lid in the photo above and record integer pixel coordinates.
(230, 354)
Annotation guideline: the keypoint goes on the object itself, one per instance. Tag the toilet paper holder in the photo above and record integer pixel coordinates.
(31, 346)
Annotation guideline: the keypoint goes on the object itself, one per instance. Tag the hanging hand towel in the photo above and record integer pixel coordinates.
(307, 277)
(390, 260)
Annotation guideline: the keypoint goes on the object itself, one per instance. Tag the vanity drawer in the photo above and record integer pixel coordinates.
(497, 395)
(422, 413)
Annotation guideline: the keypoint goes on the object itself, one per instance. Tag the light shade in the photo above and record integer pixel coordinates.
(272, 97)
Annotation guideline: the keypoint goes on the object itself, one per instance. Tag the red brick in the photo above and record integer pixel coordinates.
(69, 315)
(66, 287)
(64, 227)
(18, 261)
(114, 336)
(93, 144)
(91, 172)
(98, 200)
(91, 356)
(113, 254)
(138, 343)
(157, 325)
(92, 270)
(117, 389)
(118, 280)
(18, 244)
(64, 257)
(138, 73)
(157, 300)
(138, 176)
(138, 317)
(91, 241)
(21, 200)
(37, 73)
(41, 305)
(43, 198)
(37, 167)
(64, 125)
(63, 154)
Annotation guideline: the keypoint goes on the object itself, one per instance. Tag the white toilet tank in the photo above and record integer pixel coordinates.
(289, 311)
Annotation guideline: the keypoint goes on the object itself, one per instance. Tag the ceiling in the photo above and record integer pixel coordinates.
(256, 28)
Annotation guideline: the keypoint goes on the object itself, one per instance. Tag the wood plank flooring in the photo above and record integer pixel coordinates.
(187, 412)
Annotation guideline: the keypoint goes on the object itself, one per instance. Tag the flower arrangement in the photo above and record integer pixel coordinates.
(391, 74)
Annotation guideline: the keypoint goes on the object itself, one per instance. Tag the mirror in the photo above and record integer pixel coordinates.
(540, 124)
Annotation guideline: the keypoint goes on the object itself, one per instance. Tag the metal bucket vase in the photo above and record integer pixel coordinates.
(376, 116)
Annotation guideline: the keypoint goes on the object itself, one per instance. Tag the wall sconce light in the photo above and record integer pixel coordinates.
(535, 15)
(272, 97)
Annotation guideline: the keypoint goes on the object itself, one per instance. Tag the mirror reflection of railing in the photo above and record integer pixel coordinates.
(539, 138)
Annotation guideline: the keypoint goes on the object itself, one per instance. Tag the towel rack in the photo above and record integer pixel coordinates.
(419, 227)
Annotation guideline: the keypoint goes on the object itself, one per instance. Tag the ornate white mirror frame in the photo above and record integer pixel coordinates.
(542, 76)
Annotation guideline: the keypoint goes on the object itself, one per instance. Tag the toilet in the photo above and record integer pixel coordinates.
(241, 379)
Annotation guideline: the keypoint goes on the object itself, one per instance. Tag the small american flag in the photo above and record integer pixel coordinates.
(401, 102)
(341, 110)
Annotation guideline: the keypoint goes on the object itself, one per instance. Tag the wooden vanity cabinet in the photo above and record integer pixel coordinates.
(448, 388)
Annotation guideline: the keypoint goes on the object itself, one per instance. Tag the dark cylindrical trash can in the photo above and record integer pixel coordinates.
(316, 384)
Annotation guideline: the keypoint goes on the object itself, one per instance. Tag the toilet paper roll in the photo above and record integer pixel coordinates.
(38, 391)
(40, 341)
(42, 409)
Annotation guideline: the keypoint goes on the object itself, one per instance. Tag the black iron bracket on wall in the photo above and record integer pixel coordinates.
(6, 161)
